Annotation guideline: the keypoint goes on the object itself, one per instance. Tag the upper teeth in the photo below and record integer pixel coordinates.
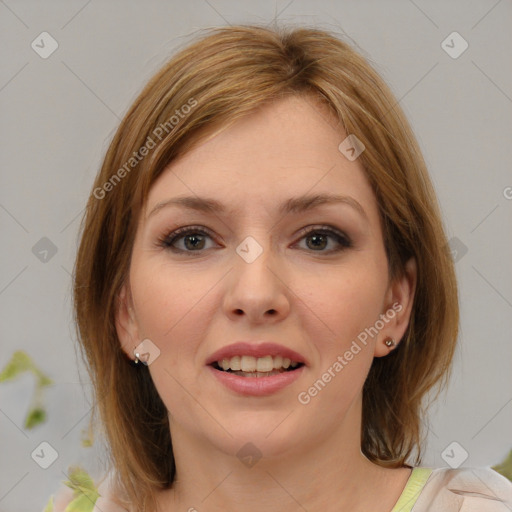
(253, 364)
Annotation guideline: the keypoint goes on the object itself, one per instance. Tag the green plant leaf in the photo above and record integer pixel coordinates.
(505, 468)
(20, 362)
(49, 505)
(42, 379)
(87, 437)
(35, 417)
(84, 491)
(81, 504)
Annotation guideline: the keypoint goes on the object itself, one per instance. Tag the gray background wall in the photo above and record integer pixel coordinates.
(59, 113)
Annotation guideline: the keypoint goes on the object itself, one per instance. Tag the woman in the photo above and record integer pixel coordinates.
(263, 290)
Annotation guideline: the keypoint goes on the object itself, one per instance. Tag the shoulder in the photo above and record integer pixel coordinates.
(106, 501)
(465, 490)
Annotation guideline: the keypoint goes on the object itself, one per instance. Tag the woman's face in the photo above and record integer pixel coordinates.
(270, 267)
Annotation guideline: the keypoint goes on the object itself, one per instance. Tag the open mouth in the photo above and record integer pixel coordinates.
(249, 366)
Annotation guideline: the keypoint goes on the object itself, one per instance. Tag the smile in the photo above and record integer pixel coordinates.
(257, 368)
(250, 366)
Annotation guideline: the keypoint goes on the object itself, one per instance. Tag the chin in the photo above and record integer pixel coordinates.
(263, 434)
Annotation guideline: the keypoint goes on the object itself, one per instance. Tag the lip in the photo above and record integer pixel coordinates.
(255, 349)
(256, 386)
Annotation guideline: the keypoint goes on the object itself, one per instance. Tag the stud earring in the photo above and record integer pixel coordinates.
(140, 358)
(389, 342)
(134, 362)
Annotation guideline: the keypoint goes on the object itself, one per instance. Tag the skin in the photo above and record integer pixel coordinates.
(191, 305)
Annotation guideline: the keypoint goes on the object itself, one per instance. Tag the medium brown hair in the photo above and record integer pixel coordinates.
(227, 74)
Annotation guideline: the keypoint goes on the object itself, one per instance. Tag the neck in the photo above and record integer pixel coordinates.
(326, 473)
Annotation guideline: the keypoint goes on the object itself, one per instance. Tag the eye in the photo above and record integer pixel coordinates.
(319, 238)
(193, 239)
(192, 236)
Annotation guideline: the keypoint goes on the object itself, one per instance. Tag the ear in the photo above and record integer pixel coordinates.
(397, 311)
(126, 323)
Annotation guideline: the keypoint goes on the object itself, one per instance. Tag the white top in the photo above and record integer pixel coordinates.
(427, 490)
(455, 490)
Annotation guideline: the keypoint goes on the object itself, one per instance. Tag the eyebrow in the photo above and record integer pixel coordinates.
(292, 205)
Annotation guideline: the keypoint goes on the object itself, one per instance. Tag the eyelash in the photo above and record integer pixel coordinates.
(168, 241)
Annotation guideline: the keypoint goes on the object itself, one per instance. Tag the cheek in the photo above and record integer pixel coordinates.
(344, 351)
(168, 307)
(343, 303)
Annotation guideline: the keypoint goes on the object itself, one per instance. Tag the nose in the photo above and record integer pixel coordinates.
(257, 288)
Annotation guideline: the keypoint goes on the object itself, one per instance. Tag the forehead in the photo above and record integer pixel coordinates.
(288, 148)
